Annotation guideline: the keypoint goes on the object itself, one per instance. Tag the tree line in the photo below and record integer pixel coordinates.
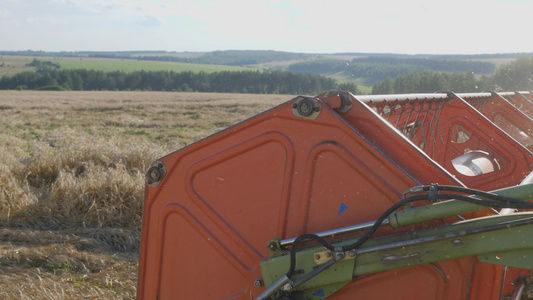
(260, 82)
(429, 82)
(43, 66)
(432, 64)
(514, 76)
(374, 69)
(370, 73)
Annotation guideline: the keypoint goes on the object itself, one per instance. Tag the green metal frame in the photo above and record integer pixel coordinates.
(474, 237)
(454, 207)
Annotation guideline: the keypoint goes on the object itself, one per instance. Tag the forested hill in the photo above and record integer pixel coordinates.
(357, 72)
(358, 68)
(374, 69)
(257, 82)
(235, 57)
(281, 58)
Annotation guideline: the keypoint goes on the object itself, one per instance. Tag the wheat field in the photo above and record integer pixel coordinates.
(72, 179)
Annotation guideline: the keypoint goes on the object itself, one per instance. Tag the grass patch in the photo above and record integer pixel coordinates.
(364, 89)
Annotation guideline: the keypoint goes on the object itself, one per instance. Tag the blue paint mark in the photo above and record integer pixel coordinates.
(319, 293)
(342, 208)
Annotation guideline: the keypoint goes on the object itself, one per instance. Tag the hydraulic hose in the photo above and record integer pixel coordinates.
(491, 200)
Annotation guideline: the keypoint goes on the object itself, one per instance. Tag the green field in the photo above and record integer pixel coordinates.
(340, 77)
(128, 65)
(10, 65)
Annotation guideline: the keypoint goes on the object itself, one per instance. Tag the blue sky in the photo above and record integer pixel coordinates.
(309, 26)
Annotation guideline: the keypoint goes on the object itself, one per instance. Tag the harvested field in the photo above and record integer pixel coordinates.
(72, 178)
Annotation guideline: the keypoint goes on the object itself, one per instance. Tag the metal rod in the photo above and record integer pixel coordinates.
(431, 126)
(274, 288)
(520, 285)
(338, 231)
(400, 97)
(445, 236)
(428, 96)
(487, 94)
(473, 95)
(422, 128)
(438, 130)
(314, 273)
(450, 208)
(421, 125)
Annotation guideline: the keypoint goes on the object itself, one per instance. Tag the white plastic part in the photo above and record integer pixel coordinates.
(475, 163)
(528, 179)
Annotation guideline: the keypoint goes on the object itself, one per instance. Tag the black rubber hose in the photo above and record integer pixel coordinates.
(495, 201)
(303, 238)
(516, 204)
(464, 190)
(327, 245)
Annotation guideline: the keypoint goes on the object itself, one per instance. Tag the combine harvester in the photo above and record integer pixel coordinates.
(415, 196)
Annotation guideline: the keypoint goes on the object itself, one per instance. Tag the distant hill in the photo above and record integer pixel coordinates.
(372, 69)
(361, 68)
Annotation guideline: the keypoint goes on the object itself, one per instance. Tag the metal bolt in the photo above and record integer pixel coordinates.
(351, 253)
(258, 283)
(317, 256)
(273, 246)
(339, 255)
(457, 242)
(154, 174)
(305, 107)
(328, 254)
(294, 105)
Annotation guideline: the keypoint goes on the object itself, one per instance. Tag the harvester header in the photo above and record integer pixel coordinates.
(338, 196)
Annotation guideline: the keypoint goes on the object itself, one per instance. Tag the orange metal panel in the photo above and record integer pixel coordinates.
(433, 124)
(206, 225)
(521, 100)
(504, 115)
